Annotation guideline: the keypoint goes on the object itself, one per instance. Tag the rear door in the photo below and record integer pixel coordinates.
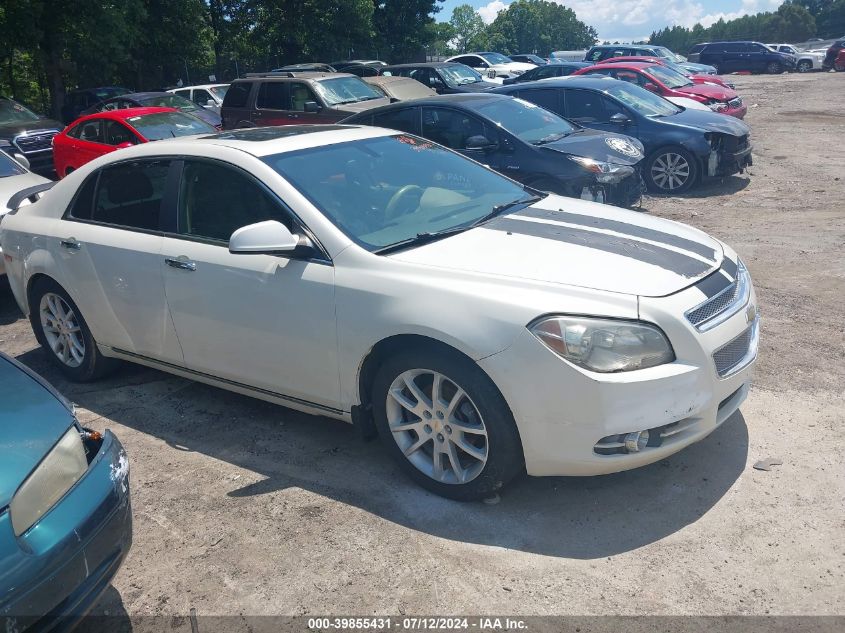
(593, 110)
(236, 111)
(272, 104)
(453, 128)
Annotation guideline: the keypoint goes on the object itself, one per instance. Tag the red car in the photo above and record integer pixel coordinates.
(839, 62)
(695, 78)
(667, 83)
(96, 134)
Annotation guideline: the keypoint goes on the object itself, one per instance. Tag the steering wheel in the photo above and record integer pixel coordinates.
(392, 208)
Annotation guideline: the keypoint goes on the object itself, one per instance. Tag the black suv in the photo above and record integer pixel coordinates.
(29, 134)
(295, 98)
(730, 57)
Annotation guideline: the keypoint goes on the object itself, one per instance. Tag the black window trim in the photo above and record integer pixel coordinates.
(285, 97)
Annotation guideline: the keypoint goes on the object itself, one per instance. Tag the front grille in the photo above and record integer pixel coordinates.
(733, 144)
(34, 141)
(735, 102)
(714, 306)
(732, 356)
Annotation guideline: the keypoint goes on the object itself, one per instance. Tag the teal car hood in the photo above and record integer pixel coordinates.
(32, 420)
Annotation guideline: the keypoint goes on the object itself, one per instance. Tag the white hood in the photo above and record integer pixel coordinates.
(577, 243)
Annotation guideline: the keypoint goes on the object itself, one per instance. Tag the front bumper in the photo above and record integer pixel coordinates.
(726, 161)
(52, 575)
(562, 411)
(739, 112)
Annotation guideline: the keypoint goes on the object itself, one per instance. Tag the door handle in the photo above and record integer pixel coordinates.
(71, 244)
(182, 263)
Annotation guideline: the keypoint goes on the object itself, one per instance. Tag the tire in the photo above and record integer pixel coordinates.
(669, 162)
(774, 68)
(480, 420)
(69, 343)
(716, 66)
(804, 66)
(839, 67)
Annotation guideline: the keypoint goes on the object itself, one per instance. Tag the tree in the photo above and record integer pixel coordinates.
(403, 27)
(468, 28)
(830, 20)
(539, 26)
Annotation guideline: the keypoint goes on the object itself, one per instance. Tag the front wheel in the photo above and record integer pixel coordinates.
(63, 333)
(804, 66)
(671, 170)
(774, 68)
(839, 67)
(445, 422)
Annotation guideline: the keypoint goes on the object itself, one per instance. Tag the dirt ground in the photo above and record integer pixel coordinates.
(242, 507)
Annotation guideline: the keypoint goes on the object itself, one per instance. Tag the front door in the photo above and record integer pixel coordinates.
(263, 321)
(454, 128)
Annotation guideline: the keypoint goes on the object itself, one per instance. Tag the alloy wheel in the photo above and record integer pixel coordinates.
(804, 67)
(774, 68)
(670, 171)
(437, 426)
(62, 330)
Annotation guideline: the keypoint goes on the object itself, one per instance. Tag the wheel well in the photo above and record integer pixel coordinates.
(378, 354)
(30, 285)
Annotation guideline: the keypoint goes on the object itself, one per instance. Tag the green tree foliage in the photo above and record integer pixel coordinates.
(403, 27)
(469, 29)
(539, 26)
(792, 22)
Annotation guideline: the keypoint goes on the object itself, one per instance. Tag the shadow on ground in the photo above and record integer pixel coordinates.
(713, 187)
(582, 518)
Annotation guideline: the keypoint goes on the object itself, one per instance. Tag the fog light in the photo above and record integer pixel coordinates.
(635, 442)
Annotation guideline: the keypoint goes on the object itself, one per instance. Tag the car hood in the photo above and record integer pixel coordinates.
(710, 91)
(209, 116)
(478, 86)
(32, 420)
(577, 243)
(360, 106)
(707, 121)
(604, 146)
(698, 68)
(9, 130)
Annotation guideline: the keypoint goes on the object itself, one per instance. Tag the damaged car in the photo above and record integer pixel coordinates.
(525, 142)
(65, 514)
(683, 146)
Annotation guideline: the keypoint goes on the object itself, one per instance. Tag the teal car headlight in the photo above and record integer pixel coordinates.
(62, 467)
(604, 345)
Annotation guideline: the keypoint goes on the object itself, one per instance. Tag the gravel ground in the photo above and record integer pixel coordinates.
(242, 507)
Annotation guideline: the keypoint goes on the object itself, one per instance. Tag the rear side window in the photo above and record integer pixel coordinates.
(404, 120)
(130, 194)
(545, 98)
(237, 96)
(83, 204)
(91, 131)
(271, 95)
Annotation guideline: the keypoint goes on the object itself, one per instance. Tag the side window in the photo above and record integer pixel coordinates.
(237, 96)
(202, 97)
(83, 203)
(300, 94)
(130, 194)
(631, 77)
(404, 120)
(594, 55)
(272, 96)
(183, 93)
(75, 131)
(611, 107)
(215, 200)
(92, 131)
(117, 133)
(544, 71)
(545, 98)
(584, 106)
(452, 128)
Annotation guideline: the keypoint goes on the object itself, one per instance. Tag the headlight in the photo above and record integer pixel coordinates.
(63, 466)
(517, 72)
(605, 172)
(718, 106)
(604, 345)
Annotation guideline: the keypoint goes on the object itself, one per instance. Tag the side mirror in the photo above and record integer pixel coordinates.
(21, 160)
(620, 119)
(651, 87)
(268, 237)
(211, 103)
(312, 107)
(480, 143)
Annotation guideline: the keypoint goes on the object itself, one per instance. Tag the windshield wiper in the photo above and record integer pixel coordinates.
(421, 238)
(499, 209)
(551, 138)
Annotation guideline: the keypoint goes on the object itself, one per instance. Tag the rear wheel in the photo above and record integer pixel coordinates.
(774, 68)
(805, 66)
(63, 333)
(838, 67)
(445, 422)
(671, 170)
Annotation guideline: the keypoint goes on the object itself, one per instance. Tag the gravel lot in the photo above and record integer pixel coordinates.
(242, 507)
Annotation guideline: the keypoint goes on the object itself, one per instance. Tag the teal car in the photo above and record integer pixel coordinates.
(65, 514)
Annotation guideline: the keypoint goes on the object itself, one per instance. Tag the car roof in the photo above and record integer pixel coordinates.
(284, 76)
(222, 83)
(122, 114)
(423, 65)
(137, 96)
(571, 81)
(628, 65)
(652, 46)
(459, 99)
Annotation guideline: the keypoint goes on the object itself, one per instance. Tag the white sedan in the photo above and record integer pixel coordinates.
(480, 328)
(14, 177)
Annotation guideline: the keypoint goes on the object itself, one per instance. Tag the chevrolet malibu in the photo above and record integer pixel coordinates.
(65, 515)
(481, 328)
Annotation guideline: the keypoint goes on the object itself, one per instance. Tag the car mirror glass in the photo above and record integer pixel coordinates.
(480, 143)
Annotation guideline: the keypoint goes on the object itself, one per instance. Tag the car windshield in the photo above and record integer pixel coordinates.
(345, 90)
(527, 121)
(388, 190)
(641, 100)
(161, 125)
(460, 75)
(108, 93)
(166, 100)
(219, 91)
(14, 112)
(675, 67)
(9, 166)
(496, 58)
(668, 77)
(665, 53)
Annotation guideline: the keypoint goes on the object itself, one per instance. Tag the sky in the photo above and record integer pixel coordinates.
(629, 20)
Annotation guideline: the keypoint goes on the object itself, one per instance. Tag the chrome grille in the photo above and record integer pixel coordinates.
(735, 102)
(714, 306)
(34, 141)
(731, 357)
